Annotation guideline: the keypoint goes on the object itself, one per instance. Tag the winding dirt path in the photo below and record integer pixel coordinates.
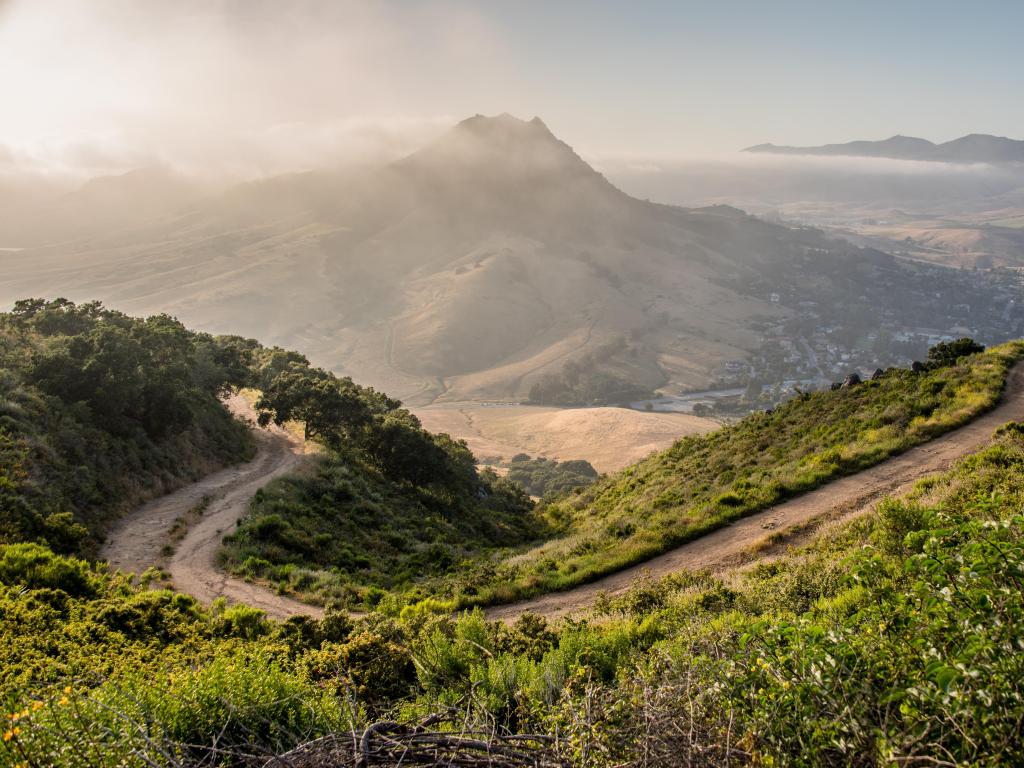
(139, 539)
(841, 499)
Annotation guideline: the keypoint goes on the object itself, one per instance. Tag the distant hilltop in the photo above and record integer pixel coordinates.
(975, 148)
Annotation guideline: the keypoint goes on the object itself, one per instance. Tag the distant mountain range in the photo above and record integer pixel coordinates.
(486, 262)
(975, 148)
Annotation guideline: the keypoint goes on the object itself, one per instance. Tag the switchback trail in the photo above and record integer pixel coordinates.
(138, 540)
(841, 499)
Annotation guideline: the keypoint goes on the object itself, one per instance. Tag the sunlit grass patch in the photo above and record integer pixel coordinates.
(704, 482)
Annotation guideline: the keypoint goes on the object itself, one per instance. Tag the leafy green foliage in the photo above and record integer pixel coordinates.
(949, 352)
(348, 526)
(36, 567)
(99, 411)
(895, 639)
(548, 477)
(387, 505)
(330, 409)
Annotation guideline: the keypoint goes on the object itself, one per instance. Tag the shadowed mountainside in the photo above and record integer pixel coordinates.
(473, 268)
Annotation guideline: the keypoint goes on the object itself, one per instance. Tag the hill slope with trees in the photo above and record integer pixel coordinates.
(100, 411)
(330, 538)
(893, 639)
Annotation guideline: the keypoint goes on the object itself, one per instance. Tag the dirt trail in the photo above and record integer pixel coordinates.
(138, 541)
(839, 500)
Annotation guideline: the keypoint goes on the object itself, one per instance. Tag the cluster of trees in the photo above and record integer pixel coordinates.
(549, 477)
(389, 503)
(99, 410)
(129, 374)
(587, 381)
(949, 353)
(349, 418)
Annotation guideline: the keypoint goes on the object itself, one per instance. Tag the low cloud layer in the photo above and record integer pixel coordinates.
(241, 87)
(757, 182)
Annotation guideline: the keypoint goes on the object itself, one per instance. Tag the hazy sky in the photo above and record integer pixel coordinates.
(254, 86)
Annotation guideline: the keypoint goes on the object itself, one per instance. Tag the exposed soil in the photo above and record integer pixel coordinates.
(141, 539)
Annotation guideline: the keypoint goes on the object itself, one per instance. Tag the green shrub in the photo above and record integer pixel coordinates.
(100, 411)
(35, 567)
(368, 665)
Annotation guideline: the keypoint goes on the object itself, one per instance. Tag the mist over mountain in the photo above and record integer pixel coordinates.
(974, 148)
(480, 266)
(99, 207)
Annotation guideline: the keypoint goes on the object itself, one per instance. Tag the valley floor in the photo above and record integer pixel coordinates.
(609, 438)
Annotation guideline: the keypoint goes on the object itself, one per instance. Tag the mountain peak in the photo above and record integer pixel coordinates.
(504, 126)
(501, 145)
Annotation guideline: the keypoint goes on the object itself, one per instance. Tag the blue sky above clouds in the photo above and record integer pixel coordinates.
(108, 82)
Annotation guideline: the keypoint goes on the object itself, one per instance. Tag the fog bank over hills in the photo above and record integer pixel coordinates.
(953, 213)
(759, 182)
(479, 267)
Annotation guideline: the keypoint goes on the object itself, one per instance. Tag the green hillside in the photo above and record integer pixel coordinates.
(895, 639)
(386, 504)
(346, 531)
(100, 411)
(704, 482)
(352, 529)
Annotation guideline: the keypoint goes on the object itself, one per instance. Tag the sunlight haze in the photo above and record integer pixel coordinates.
(511, 383)
(249, 88)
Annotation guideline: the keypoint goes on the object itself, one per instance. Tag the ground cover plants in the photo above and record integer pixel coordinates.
(894, 639)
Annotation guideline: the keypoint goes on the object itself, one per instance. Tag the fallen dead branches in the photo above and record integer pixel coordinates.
(389, 744)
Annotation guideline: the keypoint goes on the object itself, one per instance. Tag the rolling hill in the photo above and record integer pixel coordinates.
(486, 261)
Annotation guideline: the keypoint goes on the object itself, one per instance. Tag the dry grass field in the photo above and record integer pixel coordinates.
(609, 438)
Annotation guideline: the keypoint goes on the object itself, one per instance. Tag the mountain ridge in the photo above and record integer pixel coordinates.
(490, 260)
(972, 148)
